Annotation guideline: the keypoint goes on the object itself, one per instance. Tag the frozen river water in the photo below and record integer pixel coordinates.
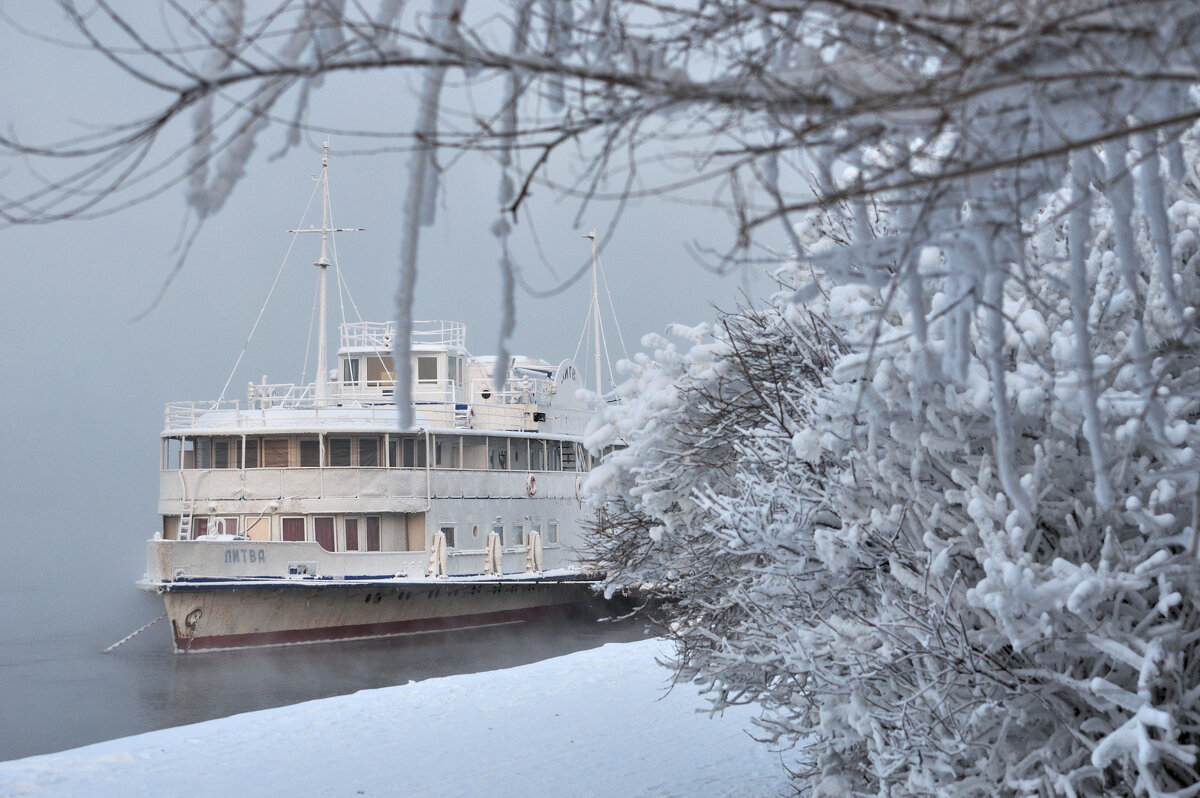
(58, 691)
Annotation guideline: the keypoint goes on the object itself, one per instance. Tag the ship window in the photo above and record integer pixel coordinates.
(499, 530)
(199, 527)
(174, 453)
(323, 532)
(293, 529)
(427, 368)
(275, 453)
(252, 453)
(474, 452)
(350, 371)
(518, 534)
(518, 452)
(220, 454)
(498, 454)
(351, 534)
(372, 533)
(445, 451)
(225, 526)
(368, 452)
(553, 456)
(379, 371)
(475, 532)
(414, 453)
(552, 532)
(310, 454)
(203, 453)
(339, 452)
(534, 529)
(568, 456)
(448, 531)
(537, 456)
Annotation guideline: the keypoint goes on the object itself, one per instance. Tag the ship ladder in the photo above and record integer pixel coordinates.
(185, 522)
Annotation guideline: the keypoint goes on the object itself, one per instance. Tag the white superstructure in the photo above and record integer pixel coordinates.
(304, 513)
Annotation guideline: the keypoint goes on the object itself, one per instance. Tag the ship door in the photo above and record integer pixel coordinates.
(415, 526)
(323, 532)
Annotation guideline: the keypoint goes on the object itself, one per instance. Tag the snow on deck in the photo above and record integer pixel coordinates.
(592, 723)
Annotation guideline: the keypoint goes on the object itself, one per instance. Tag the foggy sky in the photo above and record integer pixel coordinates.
(85, 390)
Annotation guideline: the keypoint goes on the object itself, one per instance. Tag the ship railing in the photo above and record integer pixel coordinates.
(517, 391)
(381, 335)
(262, 396)
(185, 414)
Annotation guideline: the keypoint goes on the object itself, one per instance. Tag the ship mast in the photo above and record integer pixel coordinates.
(323, 264)
(595, 311)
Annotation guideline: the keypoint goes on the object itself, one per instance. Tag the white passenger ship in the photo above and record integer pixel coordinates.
(304, 513)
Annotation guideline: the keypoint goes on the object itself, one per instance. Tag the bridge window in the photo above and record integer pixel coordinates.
(252, 452)
(553, 456)
(220, 454)
(537, 455)
(351, 534)
(427, 368)
(350, 371)
(373, 533)
(203, 453)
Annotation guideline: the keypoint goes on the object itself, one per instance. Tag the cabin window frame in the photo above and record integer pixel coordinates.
(283, 528)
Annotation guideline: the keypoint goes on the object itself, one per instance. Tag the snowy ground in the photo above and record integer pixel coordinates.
(594, 722)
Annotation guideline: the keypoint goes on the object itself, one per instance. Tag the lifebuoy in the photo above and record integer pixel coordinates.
(531, 485)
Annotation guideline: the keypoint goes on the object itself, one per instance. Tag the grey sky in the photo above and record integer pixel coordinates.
(83, 405)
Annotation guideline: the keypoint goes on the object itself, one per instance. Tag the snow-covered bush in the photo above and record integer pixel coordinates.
(948, 537)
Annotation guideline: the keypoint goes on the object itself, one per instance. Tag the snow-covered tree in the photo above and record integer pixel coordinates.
(845, 549)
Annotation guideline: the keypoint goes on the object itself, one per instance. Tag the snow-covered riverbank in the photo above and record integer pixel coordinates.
(595, 722)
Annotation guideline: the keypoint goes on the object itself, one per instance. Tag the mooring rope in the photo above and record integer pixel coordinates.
(134, 634)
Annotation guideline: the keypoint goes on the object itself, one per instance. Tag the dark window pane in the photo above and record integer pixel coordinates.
(351, 534)
(220, 454)
(293, 529)
(368, 452)
(310, 454)
(252, 453)
(275, 453)
(323, 529)
(339, 452)
(373, 533)
(203, 453)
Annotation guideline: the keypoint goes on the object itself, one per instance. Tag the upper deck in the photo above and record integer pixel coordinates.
(450, 390)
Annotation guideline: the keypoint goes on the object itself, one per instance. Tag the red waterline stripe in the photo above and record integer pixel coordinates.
(365, 630)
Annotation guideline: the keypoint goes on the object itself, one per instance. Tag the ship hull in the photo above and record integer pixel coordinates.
(205, 618)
